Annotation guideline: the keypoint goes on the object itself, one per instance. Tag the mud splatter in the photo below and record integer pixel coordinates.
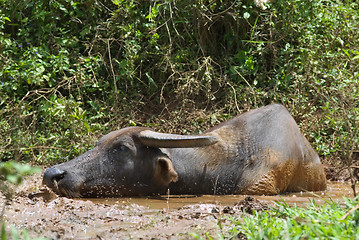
(42, 213)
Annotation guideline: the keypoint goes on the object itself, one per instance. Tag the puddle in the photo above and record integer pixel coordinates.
(165, 217)
(335, 191)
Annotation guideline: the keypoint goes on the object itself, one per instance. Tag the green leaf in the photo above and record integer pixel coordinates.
(13, 179)
(14, 233)
(3, 231)
(13, 171)
(151, 81)
(246, 15)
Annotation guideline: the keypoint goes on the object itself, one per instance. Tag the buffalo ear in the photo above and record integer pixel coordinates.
(164, 172)
(165, 140)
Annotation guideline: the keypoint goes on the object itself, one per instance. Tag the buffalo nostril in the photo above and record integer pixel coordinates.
(51, 176)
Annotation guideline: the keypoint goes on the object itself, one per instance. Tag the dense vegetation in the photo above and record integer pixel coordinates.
(73, 70)
(329, 221)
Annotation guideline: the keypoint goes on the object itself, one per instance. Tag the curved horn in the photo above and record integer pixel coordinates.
(165, 140)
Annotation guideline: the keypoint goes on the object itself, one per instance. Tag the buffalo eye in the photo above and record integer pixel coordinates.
(118, 152)
(122, 148)
(119, 148)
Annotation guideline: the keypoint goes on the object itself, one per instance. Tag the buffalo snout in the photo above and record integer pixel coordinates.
(52, 176)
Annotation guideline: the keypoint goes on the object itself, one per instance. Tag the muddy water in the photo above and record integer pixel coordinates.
(335, 192)
(166, 217)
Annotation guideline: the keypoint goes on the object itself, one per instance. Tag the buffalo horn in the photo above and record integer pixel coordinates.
(165, 140)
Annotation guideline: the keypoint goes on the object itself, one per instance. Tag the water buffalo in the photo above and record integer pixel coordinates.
(259, 152)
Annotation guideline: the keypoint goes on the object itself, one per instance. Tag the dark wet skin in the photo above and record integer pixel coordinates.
(259, 152)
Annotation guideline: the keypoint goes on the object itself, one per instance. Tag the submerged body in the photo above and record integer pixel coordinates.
(258, 152)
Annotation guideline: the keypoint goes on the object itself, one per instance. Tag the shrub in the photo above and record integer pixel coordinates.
(72, 71)
(332, 220)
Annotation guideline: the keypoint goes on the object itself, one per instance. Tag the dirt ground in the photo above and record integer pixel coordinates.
(43, 214)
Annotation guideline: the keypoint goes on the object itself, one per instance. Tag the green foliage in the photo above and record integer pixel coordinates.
(46, 65)
(16, 235)
(298, 223)
(323, 48)
(14, 172)
(73, 70)
(328, 221)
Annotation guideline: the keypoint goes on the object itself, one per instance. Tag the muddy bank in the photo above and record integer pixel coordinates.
(168, 217)
(64, 218)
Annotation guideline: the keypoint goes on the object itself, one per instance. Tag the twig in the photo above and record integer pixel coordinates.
(113, 73)
(352, 180)
(350, 212)
(173, 23)
(235, 96)
(252, 89)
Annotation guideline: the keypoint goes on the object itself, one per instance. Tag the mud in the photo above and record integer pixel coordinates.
(43, 214)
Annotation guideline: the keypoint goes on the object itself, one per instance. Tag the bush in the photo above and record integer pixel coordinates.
(74, 70)
(329, 221)
(49, 78)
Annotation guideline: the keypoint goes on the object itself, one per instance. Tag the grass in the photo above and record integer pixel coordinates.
(332, 220)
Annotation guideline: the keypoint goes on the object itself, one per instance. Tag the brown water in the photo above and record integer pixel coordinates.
(335, 191)
(166, 217)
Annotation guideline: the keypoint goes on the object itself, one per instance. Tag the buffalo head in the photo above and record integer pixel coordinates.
(131, 161)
